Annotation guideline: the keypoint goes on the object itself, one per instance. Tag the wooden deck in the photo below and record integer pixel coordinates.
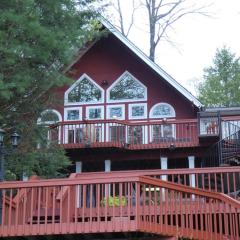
(123, 202)
(123, 134)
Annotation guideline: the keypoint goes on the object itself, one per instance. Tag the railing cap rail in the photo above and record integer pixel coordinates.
(129, 123)
(66, 182)
(115, 176)
(152, 172)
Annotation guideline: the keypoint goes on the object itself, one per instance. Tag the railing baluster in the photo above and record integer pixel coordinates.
(121, 203)
(181, 214)
(46, 209)
(10, 209)
(61, 208)
(84, 206)
(230, 220)
(128, 199)
(91, 206)
(98, 199)
(68, 206)
(237, 223)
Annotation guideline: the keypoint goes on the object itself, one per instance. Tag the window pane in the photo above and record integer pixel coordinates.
(167, 130)
(49, 116)
(73, 115)
(137, 111)
(135, 134)
(85, 91)
(116, 112)
(117, 133)
(94, 113)
(162, 110)
(127, 88)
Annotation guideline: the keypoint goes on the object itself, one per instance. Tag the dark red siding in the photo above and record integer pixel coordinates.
(109, 58)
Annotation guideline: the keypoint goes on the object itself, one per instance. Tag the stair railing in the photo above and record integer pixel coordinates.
(226, 149)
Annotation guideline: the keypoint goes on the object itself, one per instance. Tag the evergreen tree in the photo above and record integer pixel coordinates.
(221, 86)
(37, 39)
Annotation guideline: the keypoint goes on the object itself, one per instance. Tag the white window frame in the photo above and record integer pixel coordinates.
(88, 108)
(173, 113)
(66, 103)
(47, 123)
(72, 108)
(130, 107)
(126, 100)
(39, 121)
(114, 106)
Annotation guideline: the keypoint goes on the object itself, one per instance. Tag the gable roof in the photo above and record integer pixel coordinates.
(150, 63)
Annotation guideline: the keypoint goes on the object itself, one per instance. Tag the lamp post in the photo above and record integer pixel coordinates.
(14, 141)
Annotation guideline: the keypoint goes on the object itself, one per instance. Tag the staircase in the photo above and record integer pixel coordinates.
(119, 202)
(226, 152)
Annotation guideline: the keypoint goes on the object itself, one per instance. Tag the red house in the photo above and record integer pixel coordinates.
(150, 161)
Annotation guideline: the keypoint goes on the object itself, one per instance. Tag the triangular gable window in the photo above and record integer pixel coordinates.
(127, 88)
(84, 91)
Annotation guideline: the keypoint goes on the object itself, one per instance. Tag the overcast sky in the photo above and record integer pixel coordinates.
(197, 39)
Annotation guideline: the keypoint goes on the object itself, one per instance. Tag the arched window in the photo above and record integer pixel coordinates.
(127, 88)
(49, 116)
(84, 91)
(162, 110)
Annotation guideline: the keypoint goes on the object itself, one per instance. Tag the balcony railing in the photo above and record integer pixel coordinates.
(120, 203)
(142, 135)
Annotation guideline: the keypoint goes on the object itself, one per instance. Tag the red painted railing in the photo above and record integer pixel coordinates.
(222, 179)
(105, 133)
(121, 203)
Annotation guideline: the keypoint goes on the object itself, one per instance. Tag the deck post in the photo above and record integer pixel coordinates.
(191, 164)
(78, 168)
(164, 166)
(107, 164)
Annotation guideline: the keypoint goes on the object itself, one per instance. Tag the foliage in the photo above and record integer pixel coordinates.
(127, 88)
(114, 201)
(221, 86)
(37, 39)
(85, 91)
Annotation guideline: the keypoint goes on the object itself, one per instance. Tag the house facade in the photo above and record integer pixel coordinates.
(141, 146)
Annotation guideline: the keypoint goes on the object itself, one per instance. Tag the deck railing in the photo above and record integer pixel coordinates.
(222, 179)
(119, 204)
(105, 133)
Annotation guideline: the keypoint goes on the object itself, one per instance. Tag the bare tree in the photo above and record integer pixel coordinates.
(162, 14)
(121, 23)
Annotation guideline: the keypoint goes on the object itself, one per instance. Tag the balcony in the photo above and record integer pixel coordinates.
(191, 204)
(120, 134)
